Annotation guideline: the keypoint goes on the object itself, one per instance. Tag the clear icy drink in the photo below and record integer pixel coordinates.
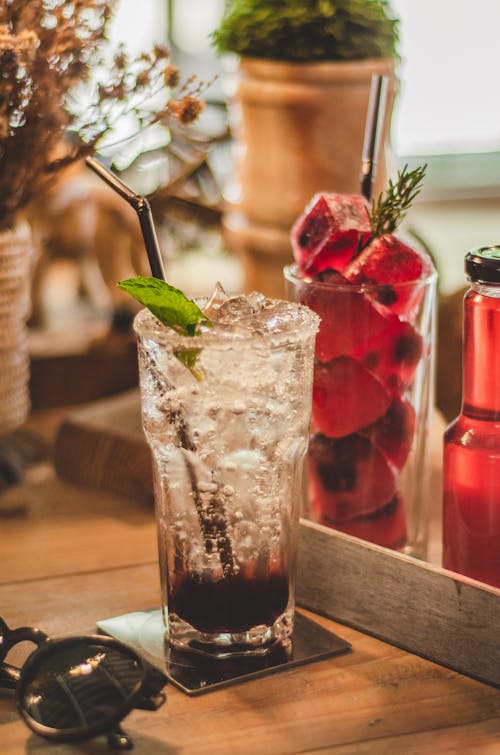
(226, 414)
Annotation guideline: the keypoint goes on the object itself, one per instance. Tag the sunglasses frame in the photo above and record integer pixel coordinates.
(146, 695)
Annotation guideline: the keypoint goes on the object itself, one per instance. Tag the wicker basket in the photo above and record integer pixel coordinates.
(15, 276)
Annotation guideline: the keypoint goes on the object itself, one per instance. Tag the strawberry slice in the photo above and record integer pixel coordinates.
(393, 433)
(348, 477)
(348, 318)
(392, 355)
(346, 397)
(329, 233)
(397, 269)
(385, 527)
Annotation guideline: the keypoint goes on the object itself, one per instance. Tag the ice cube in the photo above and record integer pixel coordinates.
(348, 477)
(230, 310)
(329, 233)
(234, 309)
(258, 301)
(393, 265)
(346, 397)
(242, 471)
(385, 527)
(214, 302)
(348, 317)
(246, 540)
(393, 433)
(392, 355)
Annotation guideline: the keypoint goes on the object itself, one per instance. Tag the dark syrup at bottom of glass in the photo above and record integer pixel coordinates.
(233, 604)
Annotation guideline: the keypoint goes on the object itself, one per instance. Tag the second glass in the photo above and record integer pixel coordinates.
(372, 408)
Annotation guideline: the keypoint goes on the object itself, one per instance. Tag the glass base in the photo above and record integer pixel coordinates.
(197, 673)
(257, 641)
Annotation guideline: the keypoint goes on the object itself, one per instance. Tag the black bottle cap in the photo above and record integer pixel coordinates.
(482, 265)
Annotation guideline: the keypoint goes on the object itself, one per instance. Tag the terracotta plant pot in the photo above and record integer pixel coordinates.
(298, 129)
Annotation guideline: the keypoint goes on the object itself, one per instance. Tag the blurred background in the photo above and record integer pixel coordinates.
(446, 114)
(447, 111)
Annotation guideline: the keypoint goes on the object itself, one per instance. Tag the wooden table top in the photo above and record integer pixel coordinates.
(70, 557)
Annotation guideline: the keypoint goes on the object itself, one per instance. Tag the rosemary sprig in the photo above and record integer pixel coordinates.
(389, 209)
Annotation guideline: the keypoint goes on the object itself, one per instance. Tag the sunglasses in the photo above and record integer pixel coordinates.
(77, 688)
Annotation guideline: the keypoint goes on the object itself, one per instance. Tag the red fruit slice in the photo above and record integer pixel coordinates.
(393, 354)
(348, 318)
(348, 477)
(327, 235)
(346, 397)
(397, 268)
(385, 527)
(393, 433)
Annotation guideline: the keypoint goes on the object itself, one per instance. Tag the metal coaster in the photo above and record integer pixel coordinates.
(195, 674)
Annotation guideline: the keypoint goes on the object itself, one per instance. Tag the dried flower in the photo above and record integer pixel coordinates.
(120, 61)
(47, 51)
(161, 52)
(186, 110)
(171, 76)
(143, 78)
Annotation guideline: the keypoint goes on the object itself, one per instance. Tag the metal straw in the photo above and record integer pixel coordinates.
(143, 210)
(373, 129)
(211, 531)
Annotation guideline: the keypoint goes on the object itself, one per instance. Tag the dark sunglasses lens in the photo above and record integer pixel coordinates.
(80, 686)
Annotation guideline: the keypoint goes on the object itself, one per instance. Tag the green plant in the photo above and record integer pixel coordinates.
(310, 30)
(389, 209)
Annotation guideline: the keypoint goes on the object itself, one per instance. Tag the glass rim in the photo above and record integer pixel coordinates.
(291, 274)
(224, 336)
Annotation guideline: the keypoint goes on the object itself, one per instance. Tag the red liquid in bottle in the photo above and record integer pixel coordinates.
(471, 462)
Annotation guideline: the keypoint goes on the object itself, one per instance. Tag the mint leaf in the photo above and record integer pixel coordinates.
(168, 304)
(189, 358)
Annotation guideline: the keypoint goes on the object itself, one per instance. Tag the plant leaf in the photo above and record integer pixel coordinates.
(167, 303)
(390, 208)
(308, 31)
(189, 358)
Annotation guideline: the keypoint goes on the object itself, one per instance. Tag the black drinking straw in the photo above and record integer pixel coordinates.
(143, 210)
(373, 128)
(211, 531)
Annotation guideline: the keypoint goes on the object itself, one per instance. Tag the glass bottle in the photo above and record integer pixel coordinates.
(471, 461)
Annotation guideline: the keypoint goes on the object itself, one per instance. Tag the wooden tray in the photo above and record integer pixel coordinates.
(418, 606)
(430, 611)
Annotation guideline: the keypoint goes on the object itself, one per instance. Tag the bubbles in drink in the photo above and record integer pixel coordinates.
(246, 540)
(228, 473)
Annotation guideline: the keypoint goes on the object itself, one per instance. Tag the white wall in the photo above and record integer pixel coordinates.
(139, 23)
(450, 70)
(450, 76)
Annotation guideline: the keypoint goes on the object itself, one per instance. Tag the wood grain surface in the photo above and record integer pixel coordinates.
(418, 606)
(65, 372)
(77, 556)
(102, 446)
(449, 619)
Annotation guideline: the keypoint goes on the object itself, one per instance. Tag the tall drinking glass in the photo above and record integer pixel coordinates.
(226, 414)
(373, 397)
